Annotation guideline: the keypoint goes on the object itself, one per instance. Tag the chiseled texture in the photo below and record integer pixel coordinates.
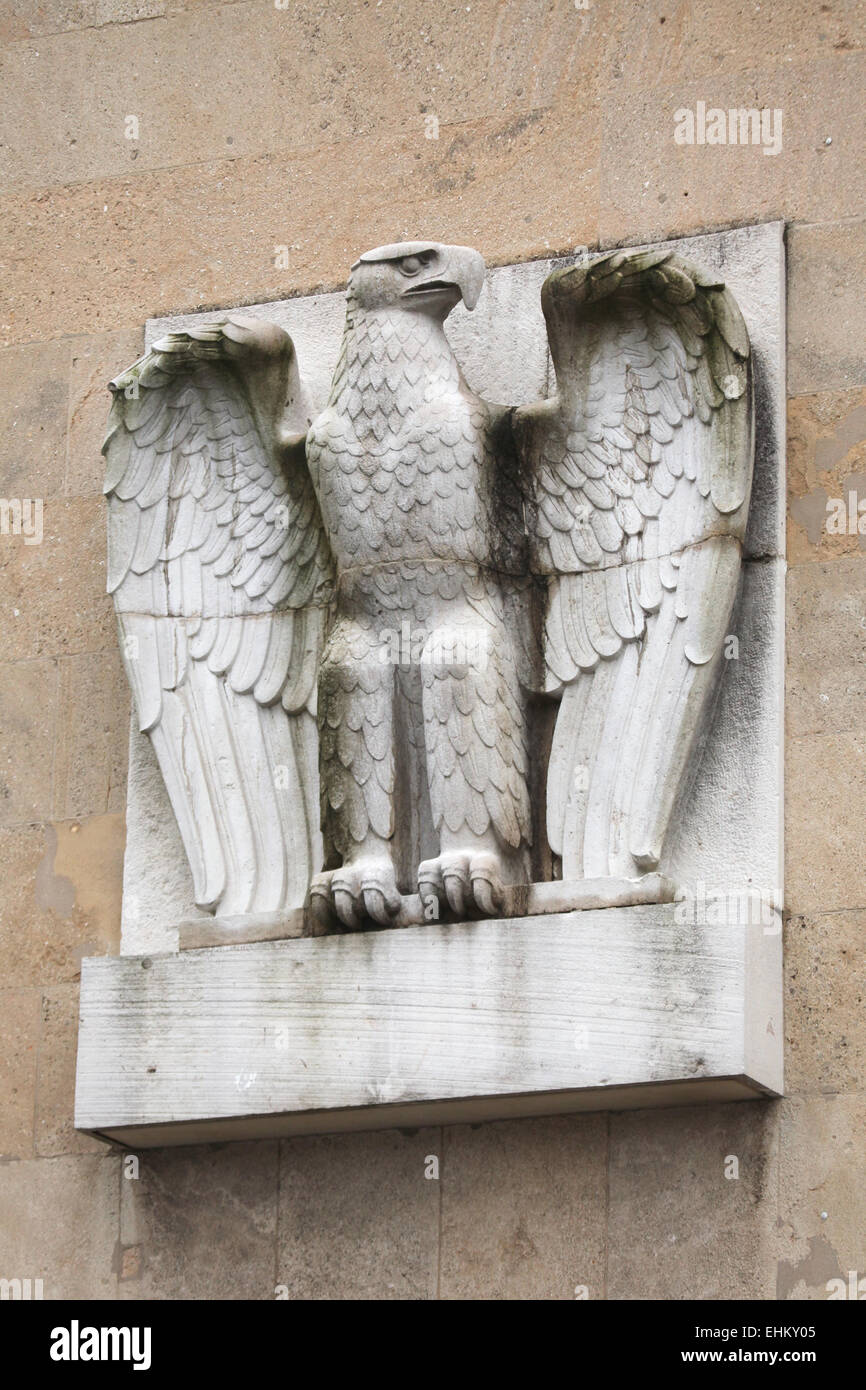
(555, 130)
(219, 572)
(221, 565)
(463, 718)
(400, 456)
(404, 465)
(623, 499)
(641, 468)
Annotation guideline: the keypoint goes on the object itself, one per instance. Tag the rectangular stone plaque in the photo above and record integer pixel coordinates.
(628, 1006)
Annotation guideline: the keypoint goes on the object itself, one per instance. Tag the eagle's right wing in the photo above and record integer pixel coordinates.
(640, 472)
(221, 576)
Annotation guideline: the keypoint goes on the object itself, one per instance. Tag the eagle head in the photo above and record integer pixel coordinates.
(421, 276)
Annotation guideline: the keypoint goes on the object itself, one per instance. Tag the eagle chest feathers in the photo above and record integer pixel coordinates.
(399, 457)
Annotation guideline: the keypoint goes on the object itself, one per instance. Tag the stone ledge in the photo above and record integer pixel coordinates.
(480, 1020)
(521, 900)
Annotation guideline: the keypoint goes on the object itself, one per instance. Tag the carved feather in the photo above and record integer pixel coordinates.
(640, 474)
(221, 576)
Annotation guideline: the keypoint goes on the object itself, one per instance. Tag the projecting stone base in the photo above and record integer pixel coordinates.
(480, 1020)
(524, 900)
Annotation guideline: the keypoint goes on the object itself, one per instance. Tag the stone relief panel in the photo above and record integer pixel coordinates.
(454, 603)
(433, 623)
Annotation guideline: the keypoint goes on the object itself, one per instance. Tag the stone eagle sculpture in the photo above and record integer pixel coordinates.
(423, 645)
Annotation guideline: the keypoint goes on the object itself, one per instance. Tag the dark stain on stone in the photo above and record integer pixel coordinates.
(820, 1265)
(53, 892)
(850, 431)
(811, 513)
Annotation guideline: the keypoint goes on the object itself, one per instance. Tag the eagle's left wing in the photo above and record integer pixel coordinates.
(221, 575)
(640, 471)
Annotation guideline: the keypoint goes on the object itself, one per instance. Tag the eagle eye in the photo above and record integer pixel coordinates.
(410, 265)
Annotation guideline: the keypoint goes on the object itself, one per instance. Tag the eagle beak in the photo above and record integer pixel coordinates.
(458, 274)
(466, 268)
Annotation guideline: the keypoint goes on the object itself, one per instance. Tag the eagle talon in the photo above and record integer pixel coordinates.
(355, 895)
(462, 882)
(455, 878)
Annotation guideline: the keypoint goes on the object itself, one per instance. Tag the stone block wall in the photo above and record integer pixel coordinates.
(273, 142)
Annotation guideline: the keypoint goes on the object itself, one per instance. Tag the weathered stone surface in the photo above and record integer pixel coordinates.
(358, 1218)
(825, 993)
(60, 899)
(821, 1231)
(23, 19)
(653, 187)
(605, 1008)
(93, 362)
(91, 751)
(55, 1132)
(199, 1223)
(37, 935)
(28, 714)
(457, 62)
(132, 11)
(661, 42)
(89, 855)
(523, 1209)
(71, 138)
(34, 386)
(60, 1223)
(826, 460)
(743, 750)
(231, 217)
(678, 1227)
(151, 911)
(827, 315)
(826, 647)
(396, 67)
(19, 1047)
(52, 595)
(825, 808)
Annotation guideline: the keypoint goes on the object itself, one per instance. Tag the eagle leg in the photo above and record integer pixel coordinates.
(475, 744)
(356, 763)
